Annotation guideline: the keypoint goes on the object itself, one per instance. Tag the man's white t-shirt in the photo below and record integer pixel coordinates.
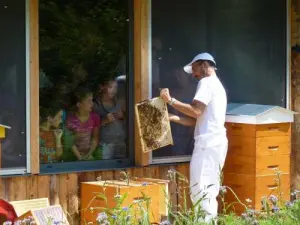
(210, 125)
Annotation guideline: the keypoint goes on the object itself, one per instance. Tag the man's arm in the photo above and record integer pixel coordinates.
(194, 110)
(185, 121)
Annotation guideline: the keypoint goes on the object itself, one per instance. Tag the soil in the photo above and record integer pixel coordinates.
(151, 124)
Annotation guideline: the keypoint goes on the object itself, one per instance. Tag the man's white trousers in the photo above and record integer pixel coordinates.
(205, 168)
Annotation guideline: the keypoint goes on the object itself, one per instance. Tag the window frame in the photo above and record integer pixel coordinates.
(187, 158)
(67, 167)
(27, 169)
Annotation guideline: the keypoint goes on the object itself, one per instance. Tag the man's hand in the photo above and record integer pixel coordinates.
(165, 95)
(173, 117)
(186, 121)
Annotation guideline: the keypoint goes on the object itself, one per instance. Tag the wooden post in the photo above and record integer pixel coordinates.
(141, 67)
(34, 86)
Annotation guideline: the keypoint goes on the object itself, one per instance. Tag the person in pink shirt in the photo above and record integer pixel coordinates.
(85, 125)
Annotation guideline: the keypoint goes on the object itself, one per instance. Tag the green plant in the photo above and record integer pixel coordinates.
(274, 210)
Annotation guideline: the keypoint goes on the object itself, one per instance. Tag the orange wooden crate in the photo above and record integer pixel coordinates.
(266, 146)
(264, 130)
(163, 193)
(254, 188)
(267, 165)
(90, 198)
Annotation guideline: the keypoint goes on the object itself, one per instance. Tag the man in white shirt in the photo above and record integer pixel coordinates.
(207, 113)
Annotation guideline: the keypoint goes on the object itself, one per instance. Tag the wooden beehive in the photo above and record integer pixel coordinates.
(92, 201)
(161, 139)
(259, 146)
(163, 193)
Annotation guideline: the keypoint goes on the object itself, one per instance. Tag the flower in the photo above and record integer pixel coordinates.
(18, 222)
(27, 220)
(117, 196)
(127, 218)
(223, 189)
(244, 215)
(7, 223)
(273, 199)
(289, 204)
(165, 222)
(102, 218)
(294, 194)
(136, 201)
(275, 209)
(125, 208)
(250, 213)
(114, 217)
(248, 200)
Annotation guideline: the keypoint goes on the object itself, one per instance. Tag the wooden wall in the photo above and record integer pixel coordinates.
(64, 189)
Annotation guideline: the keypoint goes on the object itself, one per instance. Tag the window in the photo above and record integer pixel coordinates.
(85, 74)
(249, 45)
(13, 87)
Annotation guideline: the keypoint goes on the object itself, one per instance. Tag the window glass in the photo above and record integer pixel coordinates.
(83, 80)
(13, 83)
(250, 52)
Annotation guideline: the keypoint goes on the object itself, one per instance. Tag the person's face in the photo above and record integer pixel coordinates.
(111, 89)
(199, 70)
(56, 120)
(86, 104)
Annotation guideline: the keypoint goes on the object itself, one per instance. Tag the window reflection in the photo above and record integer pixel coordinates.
(13, 83)
(181, 87)
(83, 52)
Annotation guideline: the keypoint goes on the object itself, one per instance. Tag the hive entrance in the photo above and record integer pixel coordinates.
(153, 124)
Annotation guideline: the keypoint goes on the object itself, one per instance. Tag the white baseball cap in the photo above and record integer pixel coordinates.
(202, 56)
(121, 78)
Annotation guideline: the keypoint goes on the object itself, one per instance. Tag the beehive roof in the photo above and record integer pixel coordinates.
(258, 114)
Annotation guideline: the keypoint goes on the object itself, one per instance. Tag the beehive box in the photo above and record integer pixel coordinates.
(92, 201)
(254, 188)
(153, 124)
(163, 193)
(44, 216)
(259, 146)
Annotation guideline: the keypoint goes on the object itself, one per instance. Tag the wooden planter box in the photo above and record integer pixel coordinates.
(92, 197)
